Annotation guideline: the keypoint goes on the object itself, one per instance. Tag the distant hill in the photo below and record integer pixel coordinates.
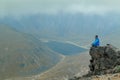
(22, 54)
(79, 27)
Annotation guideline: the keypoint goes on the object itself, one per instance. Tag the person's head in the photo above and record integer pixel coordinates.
(96, 36)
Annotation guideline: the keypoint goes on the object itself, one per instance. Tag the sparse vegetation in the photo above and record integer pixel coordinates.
(22, 54)
(117, 69)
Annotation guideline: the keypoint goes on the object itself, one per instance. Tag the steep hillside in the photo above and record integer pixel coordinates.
(64, 25)
(65, 69)
(22, 54)
(78, 28)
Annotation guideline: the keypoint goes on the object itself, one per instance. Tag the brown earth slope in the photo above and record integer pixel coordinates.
(68, 67)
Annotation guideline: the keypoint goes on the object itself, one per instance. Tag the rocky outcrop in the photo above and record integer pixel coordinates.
(104, 60)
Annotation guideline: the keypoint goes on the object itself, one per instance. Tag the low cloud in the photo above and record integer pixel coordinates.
(18, 7)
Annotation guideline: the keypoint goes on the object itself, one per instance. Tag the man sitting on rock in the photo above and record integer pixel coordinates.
(96, 43)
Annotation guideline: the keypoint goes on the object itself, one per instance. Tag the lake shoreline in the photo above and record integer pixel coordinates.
(68, 66)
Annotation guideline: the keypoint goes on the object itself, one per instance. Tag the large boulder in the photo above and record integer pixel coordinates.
(104, 59)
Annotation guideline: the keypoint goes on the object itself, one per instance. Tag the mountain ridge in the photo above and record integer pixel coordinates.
(22, 54)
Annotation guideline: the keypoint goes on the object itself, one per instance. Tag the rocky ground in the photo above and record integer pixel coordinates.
(115, 76)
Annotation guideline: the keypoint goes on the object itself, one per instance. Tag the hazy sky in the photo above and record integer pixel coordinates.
(16, 7)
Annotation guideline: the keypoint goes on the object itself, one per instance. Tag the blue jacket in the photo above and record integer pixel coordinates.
(96, 42)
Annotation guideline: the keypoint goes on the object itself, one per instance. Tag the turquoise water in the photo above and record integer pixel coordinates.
(64, 48)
